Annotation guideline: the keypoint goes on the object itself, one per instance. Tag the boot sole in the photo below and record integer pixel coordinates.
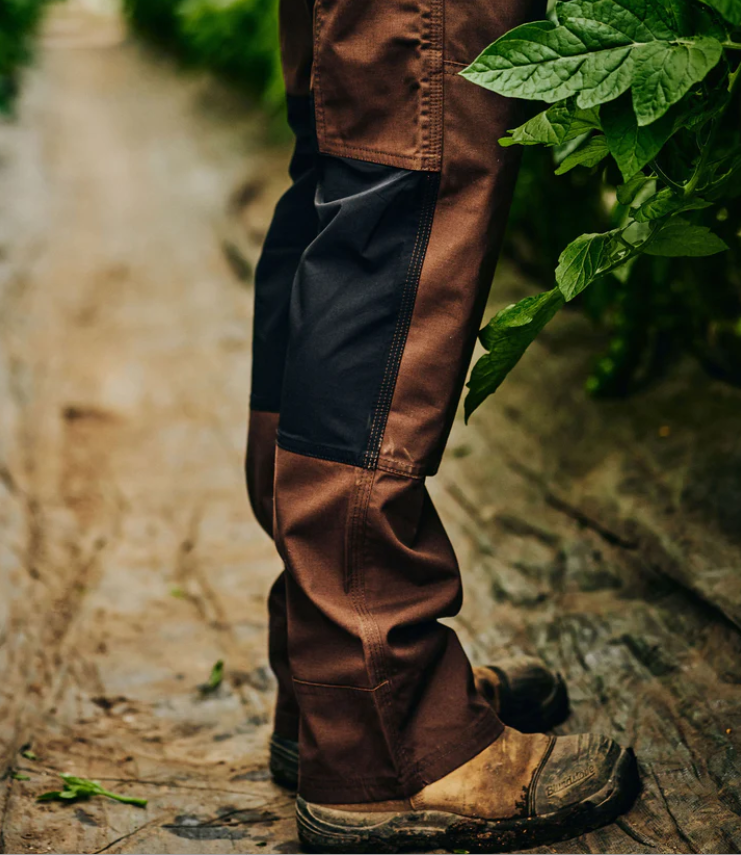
(323, 829)
(284, 763)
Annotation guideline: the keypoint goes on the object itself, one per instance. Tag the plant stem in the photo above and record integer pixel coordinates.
(634, 250)
(733, 79)
(707, 149)
(677, 188)
(127, 800)
(731, 45)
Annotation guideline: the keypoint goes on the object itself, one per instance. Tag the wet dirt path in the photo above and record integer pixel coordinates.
(131, 562)
(601, 536)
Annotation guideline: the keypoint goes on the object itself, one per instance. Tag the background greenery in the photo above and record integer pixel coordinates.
(18, 22)
(237, 39)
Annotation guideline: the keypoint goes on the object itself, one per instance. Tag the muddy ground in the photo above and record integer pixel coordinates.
(604, 536)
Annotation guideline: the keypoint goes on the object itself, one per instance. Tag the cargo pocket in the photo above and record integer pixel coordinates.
(377, 81)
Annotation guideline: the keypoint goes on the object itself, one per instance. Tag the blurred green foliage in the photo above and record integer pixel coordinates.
(661, 309)
(18, 22)
(237, 39)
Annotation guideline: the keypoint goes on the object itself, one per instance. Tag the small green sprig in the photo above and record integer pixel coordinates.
(215, 679)
(78, 789)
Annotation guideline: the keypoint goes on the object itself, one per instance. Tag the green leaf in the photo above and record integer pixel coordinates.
(626, 193)
(638, 21)
(18, 776)
(666, 202)
(707, 22)
(677, 14)
(215, 679)
(729, 9)
(507, 336)
(28, 754)
(590, 153)
(586, 259)
(668, 72)
(558, 124)
(679, 237)
(597, 51)
(549, 63)
(632, 146)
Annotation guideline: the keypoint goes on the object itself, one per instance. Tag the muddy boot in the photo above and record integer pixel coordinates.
(284, 761)
(522, 690)
(525, 693)
(520, 792)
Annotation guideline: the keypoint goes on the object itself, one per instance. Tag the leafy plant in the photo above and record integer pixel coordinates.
(77, 789)
(649, 88)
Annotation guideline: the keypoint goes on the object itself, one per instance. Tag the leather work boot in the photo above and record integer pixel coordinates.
(522, 690)
(520, 792)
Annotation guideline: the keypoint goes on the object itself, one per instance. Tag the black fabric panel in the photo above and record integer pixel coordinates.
(294, 226)
(347, 303)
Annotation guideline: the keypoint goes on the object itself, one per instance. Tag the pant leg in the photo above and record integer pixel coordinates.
(412, 199)
(293, 227)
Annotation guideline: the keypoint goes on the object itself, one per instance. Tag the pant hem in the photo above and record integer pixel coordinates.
(285, 725)
(428, 769)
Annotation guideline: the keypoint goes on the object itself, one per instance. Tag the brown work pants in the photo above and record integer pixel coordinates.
(369, 296)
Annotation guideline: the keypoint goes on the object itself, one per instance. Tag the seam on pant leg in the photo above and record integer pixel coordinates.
(394, 469)
(316, 75)
(370, 632)
(404, 320)
(432, 99)
(318, 452)
(308, 685)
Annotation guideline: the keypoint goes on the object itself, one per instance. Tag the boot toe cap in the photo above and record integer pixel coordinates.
(578, 769)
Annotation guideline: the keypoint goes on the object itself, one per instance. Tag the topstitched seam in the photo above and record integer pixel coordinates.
(374, 441)
(312, 684)
(356, 147)
(318, 97)
(394, 470)
(370, 631)
(403, 324)
(307, 450)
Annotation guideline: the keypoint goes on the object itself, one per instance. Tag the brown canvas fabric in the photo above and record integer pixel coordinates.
(260, 466)
(260, 469)
(386, 55)
(386, 695)
(476, 186)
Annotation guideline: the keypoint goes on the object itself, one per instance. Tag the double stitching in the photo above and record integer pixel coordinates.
(369, 630)
(406, 310)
